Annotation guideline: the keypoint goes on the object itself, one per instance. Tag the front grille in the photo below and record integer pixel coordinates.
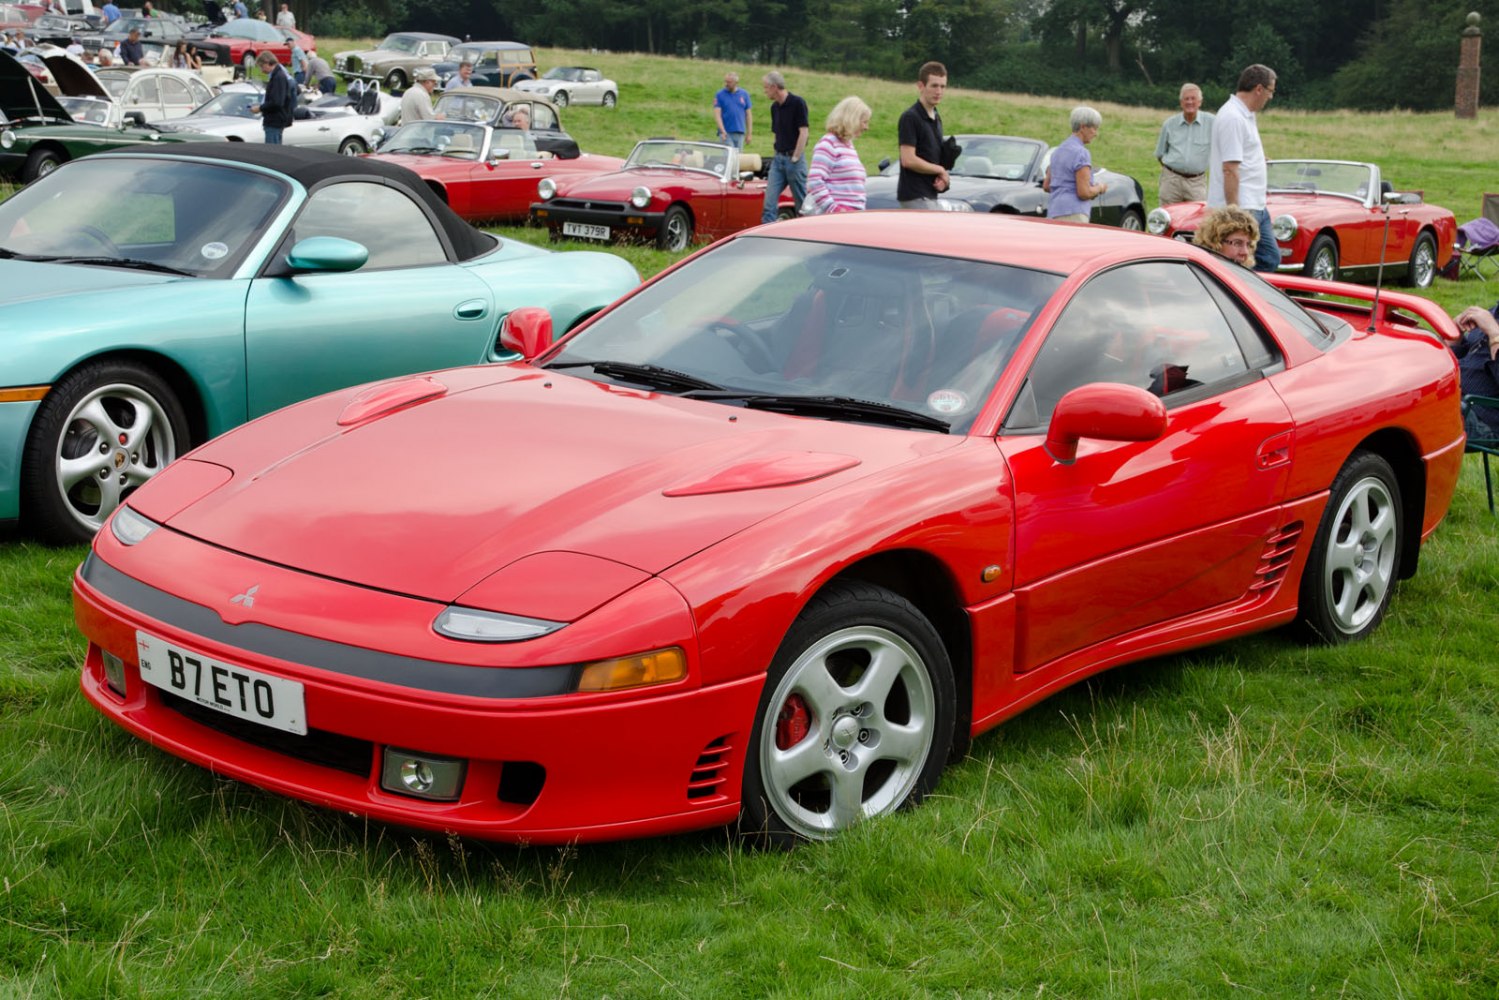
(592, 206)
(707, 777)
(342, 753)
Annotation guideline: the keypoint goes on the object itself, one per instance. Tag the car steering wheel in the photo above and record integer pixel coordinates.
(98, 235)
(751, 344)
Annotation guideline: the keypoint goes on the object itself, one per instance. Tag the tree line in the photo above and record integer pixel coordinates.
(1361, 54)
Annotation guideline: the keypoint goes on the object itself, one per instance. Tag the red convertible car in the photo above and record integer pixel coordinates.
(669, 190)
(772, 537)
(1330, 217)
(485, 174)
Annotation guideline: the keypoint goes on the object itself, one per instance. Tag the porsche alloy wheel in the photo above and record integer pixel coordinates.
(676, 230)
(1322, 259)
(352, 146)
(610, 99)
(855, 721)
(560, 98)
(1423, 265)
(99, 433)
(1132, 220)
(1354, 560)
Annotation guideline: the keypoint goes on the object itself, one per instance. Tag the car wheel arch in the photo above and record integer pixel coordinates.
(439, 189)
(189, 394)
(1400, 450)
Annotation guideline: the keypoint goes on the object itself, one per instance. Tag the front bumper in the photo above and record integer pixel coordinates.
(539, 769)
(623, 220)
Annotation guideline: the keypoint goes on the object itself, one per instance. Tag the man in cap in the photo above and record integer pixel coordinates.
(416, 104)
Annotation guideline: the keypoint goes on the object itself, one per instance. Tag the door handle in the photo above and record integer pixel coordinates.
(1275, 450)
(472, 309)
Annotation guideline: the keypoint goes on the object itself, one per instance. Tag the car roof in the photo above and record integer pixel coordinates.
(426, 36)
(499, 45)
(311, 166)
(1030, 243)
(506, 94)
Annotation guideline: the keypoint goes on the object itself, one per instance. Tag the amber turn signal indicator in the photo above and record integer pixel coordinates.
(659, 667)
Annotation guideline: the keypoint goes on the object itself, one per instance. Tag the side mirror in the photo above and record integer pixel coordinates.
(496, 155)
(884, 165)
(527, 331)
(326, 253)
(136, 118)
(1106, 411)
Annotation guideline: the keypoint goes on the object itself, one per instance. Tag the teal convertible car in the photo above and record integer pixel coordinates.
(150, 300)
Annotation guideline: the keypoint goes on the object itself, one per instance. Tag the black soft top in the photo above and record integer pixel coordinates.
(309, 167)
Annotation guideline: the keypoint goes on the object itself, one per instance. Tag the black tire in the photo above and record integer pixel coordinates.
(560, 98)
(872, 741)
(352, 146)
(66, 437)
(1355, 558)
(786, 212)
(40, 163)
(396, 80)
(1133, 220)
(676, 230)
(1322, 259)
(1423, 263)
(610, 99)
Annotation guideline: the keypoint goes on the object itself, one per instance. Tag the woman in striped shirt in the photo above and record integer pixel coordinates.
(835, 180)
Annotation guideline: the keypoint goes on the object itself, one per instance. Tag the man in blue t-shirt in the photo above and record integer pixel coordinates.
(240, 10)
(732, 111)
(111, 13)
(788, 122)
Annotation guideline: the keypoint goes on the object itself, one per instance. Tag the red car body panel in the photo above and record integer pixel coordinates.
(503, 190)
(650, 521)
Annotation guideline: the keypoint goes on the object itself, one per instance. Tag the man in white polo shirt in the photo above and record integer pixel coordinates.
(1238, 158)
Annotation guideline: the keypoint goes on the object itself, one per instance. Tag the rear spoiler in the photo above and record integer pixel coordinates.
(1381, 303)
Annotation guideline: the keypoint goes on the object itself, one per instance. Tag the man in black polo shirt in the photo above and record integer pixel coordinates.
(922, 176)
(788, 123)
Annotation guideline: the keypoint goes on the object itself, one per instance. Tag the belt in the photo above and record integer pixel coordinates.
(1190, 177)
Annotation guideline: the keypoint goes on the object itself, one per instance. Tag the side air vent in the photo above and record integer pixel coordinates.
(1280, 549)
(707, 778)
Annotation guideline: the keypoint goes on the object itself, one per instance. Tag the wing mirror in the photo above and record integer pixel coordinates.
(527, 331)
(326, 253)
(1106, 411)
(136, 118)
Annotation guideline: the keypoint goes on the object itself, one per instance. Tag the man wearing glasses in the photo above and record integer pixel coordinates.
(1238, 158)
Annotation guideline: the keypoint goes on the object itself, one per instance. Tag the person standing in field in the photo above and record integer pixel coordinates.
(732, 110)
(1238, 158)
(922, 176)
(835, 180)
(788, 124)
(1183, 149)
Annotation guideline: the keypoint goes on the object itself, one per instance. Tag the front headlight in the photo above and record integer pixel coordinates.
(1284, 227)
(129, 527)
(7, 139)
(640, 197)
(954, 205)
(546, 189)
(1158, 221)
(474, 625)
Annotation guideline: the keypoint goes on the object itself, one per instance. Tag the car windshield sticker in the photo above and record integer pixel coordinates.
(947, 401)
(214, 251)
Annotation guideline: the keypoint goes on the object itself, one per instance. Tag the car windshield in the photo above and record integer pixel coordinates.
(569, 73)
(1349, 179)
(162, 214)
(86, 109)
(235, 104)
(437, 138)
(399, 43)
(988, 156)
(466, 53)
(682, 155)
(114, 81)
(781, 320)
(455, 105)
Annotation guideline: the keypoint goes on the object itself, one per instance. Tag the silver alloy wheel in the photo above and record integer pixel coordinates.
(46, 166)
(1424, 264)
(857, 760)
(1359, 568)
(609, 99)
(116, 437)
(560, 98)
(678, 230)
(1325, 263)
(352, 146)
(1132, 221)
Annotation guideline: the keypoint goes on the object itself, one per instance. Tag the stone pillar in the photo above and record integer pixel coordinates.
(1467, 69)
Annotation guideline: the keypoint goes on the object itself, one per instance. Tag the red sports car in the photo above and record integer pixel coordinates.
(485, 174)
(1330, 217)
(669, 190)
(245, 38)
(771, 537)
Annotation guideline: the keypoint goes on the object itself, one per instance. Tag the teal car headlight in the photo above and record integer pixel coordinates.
(640, 197)
(7, 139)
(1158, 221)
(1284, 227)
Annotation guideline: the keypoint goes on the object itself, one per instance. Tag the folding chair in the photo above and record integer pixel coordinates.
(1484, 446)
(1491, 208)
(1478, 249)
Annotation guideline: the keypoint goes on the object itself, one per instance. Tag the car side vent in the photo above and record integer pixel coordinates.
(1280, 549)
(521, 781)
(707, 778)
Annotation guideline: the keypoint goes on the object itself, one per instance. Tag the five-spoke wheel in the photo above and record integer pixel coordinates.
(1354, 560)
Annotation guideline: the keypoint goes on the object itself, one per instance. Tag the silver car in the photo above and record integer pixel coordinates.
(565, 85)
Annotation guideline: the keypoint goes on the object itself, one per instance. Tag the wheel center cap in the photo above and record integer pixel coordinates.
(845, 732)
(120, 459)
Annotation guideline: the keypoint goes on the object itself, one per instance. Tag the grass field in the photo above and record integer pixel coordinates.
(1257, 819)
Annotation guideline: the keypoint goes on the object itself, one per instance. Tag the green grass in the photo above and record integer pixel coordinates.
(1258, 818)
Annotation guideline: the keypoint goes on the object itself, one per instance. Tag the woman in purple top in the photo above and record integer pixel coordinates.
(1069, 178)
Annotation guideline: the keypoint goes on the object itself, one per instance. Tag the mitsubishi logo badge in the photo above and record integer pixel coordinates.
(247, 598)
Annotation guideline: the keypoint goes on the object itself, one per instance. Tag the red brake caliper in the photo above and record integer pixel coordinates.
(793, 722)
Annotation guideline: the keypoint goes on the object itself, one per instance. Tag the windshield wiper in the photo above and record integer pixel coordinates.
(654, 376)
(414, 150)
(130, 262)
(829, 406)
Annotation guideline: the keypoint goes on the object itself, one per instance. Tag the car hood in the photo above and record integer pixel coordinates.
(880, 190)
(27, 281)
(73, 77)
(21, 96)
(618, 185)
(431, 498)
(212, 124)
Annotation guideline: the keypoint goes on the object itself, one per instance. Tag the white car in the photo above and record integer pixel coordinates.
(565, 85)
(336, 130)
(158, 93)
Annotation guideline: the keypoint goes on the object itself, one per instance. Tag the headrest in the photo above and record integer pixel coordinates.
(750, 162)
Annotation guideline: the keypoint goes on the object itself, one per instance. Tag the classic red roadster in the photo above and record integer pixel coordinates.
(1332, 218)
(772, 537)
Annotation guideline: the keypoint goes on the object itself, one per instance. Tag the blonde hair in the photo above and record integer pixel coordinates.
(846, 118)
(1221, 223)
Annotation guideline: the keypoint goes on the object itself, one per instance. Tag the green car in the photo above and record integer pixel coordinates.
(151, 299)
(37, 135)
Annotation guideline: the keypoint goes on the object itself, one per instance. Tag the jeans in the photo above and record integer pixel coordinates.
(327, 85)
(273, 136)
(783, 174)
(735, 139)
(300, 77)
(1267, 251)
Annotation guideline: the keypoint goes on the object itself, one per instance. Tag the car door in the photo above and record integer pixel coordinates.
(589, 91)
(176, 98)
(408, 309)
(143, 94)
(1131, 534)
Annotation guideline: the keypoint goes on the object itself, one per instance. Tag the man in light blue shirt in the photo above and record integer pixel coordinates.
(1184, 148)
(111, 13)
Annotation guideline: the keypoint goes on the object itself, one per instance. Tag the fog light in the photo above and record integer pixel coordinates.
(114, 672)
(422, 775)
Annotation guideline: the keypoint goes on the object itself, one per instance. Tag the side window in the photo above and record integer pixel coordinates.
(175, 93)
(146, 92)
(198, 92)
(1151, 325)
(542, 117)
(382, 219)
(591, 76)
(1260, 351)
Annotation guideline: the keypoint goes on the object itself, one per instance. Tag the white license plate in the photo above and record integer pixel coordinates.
(585, 230)
(237, 691)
